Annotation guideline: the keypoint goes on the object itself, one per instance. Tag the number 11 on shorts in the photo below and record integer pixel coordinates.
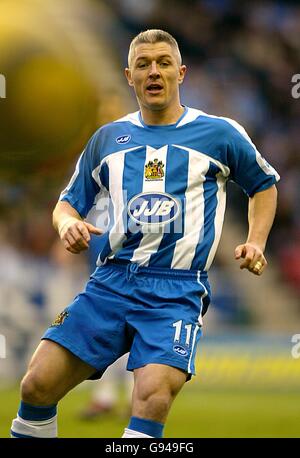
(178, 326)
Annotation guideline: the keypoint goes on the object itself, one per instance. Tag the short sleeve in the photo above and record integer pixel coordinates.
(82, 188)
(247, 166)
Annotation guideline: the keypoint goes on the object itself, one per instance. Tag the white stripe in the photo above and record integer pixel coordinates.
(96, 176)
(115, 153)
(190, 116)
(152, 235)
(200, 321)
(115, 164)
(263, 164)
(219, 218)
(197, 327)
(96, 215)
(133, 118)
(193, 345)
(194, 212)
(95, 172)
(161, 155)
(30, 428)
(224, 169)
(73, 178)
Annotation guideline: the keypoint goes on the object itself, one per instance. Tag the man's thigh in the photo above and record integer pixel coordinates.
(167, 321)
(55, 369)
(92, 327)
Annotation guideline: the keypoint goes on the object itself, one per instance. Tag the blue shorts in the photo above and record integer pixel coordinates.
(155, 314)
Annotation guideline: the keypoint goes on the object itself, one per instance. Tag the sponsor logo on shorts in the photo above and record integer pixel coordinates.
(123, 139)
(153, 208)
(180, 350)
(60, 318)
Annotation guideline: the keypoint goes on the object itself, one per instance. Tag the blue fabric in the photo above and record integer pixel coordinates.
(207, 234)
(21, 436)
(149, 427)
(35, 413)
(119, 169)
(176, 184)
(128, 308)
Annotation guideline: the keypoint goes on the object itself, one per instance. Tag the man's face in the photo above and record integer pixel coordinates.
(155, 74)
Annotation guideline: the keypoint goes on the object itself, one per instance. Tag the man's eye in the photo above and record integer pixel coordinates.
(164, 64)
(142, 65)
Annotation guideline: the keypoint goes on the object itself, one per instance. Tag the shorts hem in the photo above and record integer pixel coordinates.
(69, 346)
(167, 362)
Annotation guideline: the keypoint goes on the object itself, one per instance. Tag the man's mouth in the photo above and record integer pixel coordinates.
(154, 88)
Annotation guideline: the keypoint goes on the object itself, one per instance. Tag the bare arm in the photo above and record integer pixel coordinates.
(73, 231)
(261, 213)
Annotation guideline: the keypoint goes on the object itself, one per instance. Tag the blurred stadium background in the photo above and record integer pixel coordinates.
(62, 61)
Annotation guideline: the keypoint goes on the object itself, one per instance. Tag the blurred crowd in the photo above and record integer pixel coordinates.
(241, 57)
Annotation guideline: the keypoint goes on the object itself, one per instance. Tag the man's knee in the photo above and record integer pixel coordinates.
(152, 402)
(35, 391)
(155, 388)
(159, 401)
(152, 397)
(158, 380)
(152, 391)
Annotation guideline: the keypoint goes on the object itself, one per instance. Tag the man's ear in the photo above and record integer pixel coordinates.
(182, 72)
(128, 76)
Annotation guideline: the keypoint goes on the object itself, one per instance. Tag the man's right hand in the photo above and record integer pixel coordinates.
(75, 234)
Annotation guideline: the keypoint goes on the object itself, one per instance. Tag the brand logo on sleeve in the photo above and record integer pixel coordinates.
(123, 139)
(153, 208)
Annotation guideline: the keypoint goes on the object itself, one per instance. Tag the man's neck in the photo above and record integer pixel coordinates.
(161, 117)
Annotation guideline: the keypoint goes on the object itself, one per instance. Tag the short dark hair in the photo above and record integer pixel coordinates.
(153, 36)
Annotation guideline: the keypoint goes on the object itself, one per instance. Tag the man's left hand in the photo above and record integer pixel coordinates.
(253, 256)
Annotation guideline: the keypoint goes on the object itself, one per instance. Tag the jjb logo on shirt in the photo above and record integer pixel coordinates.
(153, 208)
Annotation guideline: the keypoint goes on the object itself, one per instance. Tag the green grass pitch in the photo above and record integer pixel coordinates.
(197, 412)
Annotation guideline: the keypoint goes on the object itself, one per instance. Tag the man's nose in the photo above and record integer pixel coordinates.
(154, 70)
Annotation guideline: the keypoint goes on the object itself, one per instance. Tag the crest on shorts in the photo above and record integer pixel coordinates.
(60, 318)
(154, 170)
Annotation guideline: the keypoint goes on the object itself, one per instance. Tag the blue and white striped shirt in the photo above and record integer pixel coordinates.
(165, 186)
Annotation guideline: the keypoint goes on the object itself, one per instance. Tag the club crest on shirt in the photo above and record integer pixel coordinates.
(60, 318)
(154, 170)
